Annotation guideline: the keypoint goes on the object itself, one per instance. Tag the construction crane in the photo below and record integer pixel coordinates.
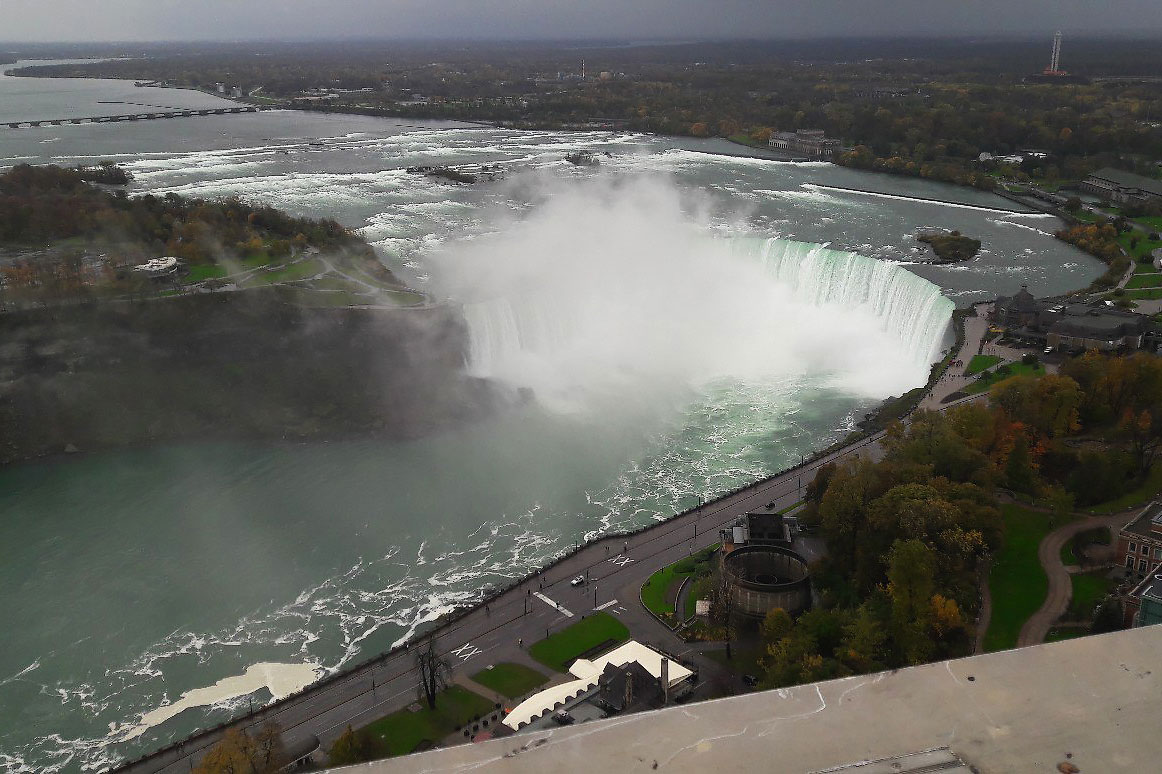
(1055, 58)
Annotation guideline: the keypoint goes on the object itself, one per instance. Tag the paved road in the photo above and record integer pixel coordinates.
(615, 568)
(1060, 584)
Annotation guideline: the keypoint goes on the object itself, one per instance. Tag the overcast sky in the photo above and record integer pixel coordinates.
(98, 20)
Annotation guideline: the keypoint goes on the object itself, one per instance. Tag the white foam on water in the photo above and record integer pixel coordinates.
(280, 679)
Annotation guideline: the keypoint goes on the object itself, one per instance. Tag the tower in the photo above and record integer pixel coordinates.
(1054, 67)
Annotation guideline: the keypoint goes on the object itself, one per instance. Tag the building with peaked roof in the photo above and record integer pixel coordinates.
(671, 679)
(1139, 544)
(1071, 326)
(1122, 187)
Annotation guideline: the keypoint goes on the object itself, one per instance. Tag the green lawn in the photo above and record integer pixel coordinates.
(1144, 281)
(1143, 247)
(1144, 268)
(204, 271)
(561, 649)
(403, 731)
(1154, 223)
(1017, 582)
(512, 680)
(1088, 589)
(654, 594)
(992, 377)
(295, 271)
(1145, 293)
(980, 363)
(1059, 633)
(1150, 487)
(1067, 556)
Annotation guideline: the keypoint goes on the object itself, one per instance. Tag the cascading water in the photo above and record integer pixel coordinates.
(757, 308)
(910, 307)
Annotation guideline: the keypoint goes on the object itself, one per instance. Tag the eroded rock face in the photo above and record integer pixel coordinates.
(237, 365)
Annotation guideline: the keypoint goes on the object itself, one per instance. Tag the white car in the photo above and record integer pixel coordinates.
(578, 581)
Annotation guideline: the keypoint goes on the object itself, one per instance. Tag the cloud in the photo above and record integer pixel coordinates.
(86, 20)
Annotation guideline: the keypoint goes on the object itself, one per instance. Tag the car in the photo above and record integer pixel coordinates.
(1048, 350)
(750, 680)
(563, 717)
(578, 581)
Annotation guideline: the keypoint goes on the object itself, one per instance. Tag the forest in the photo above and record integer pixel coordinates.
(906, 535)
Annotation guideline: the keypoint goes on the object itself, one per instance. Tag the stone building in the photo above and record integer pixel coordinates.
(811, 143)
(1122, 187)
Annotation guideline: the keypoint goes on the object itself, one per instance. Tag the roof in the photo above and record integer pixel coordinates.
(1129, 180)
(1091, 701)
(1142, 524)
(587, 673)
(630, 651)
(1151, 587)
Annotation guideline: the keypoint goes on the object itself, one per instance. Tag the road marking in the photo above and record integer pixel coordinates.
(552, 604)
(466, 651)
(604, 605)
(621, 560)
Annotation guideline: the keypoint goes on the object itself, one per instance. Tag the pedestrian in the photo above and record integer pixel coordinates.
(520, 641)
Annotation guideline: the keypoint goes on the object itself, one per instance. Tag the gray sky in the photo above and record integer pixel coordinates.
(95, 20)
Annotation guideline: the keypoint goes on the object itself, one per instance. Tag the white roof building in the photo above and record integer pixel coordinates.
(588, 674)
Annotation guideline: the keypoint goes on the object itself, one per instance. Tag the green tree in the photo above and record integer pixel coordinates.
(911, 583)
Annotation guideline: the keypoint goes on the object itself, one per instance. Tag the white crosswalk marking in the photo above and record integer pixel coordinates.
(466, 651)
(552, 604)
(604, 605)
(621, 560)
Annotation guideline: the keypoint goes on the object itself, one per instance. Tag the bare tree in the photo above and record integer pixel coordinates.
(434, 671)
(723, 603)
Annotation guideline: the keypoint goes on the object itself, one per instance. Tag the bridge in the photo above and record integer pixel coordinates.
(132, 117)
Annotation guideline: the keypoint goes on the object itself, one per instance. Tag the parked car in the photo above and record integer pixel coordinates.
(750, 680)
(578, 581)
(563, 717)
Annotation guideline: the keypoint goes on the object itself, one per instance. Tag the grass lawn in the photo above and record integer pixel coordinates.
(1144, 281)
(204, 271)
(296, 271)
(1144, 268)
(992, 377)
(1088, 589)
(1150, 487)
(510, 679)
(1059, 633)
(561, 649)
(1145, 293)
(654, 592)
(1143, 247)
(403, 731)
(1067, 555)
(980, 363)
(1017, 582)
(1154, 223)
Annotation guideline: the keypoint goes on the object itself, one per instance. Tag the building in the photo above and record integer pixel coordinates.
(1143, 605)
(159, 269)
(1122, 187)
(1073, 327)
(762, 526)
(629, 678)
(1140, 542)
(807, 142)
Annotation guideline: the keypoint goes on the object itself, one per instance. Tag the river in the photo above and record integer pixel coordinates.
(670, 307)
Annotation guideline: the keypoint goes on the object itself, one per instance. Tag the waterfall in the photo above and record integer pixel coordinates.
(701, 309)
(909, 307)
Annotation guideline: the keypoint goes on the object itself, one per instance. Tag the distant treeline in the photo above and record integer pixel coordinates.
(46, 203)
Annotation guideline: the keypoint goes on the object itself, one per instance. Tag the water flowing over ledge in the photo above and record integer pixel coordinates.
(910, 308)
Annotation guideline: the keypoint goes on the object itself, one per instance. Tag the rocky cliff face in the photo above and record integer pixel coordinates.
(231, 365)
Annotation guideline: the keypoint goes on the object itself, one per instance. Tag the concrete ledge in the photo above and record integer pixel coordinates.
(1093, 701)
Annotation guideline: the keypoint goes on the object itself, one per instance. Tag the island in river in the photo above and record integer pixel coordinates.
(132, 321)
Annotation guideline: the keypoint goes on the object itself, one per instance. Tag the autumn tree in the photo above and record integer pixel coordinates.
(241, 753)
